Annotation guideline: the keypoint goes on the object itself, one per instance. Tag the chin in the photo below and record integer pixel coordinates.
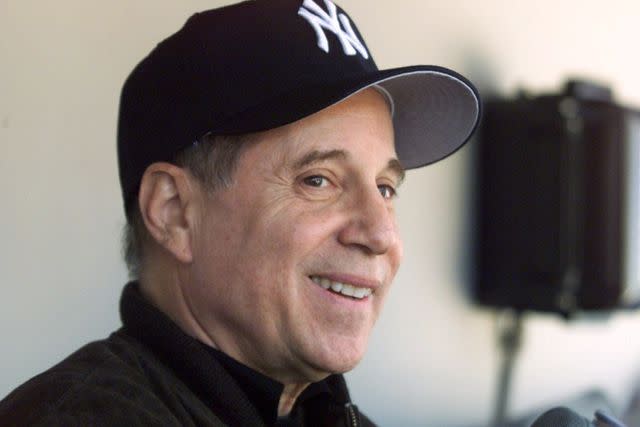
(346, 365)
(319, 372)
(322, 350)
(337, 360)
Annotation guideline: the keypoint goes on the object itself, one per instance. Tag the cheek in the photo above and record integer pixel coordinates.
(396, 250)
(397, 255)
(298, 227)
(315, 233)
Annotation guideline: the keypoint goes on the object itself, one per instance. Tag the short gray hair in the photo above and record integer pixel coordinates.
(212, 160)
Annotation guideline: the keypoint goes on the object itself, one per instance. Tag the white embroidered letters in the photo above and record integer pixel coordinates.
(320, 21)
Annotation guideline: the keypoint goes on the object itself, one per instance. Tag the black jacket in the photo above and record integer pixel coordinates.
(150, 373)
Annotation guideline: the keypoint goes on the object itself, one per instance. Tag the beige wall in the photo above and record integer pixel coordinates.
(432, 360)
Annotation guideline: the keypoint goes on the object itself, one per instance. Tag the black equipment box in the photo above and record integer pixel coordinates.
(558, 225)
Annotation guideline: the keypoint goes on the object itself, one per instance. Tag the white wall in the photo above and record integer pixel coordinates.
(432, 360)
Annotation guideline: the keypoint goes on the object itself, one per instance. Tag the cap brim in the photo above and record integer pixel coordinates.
(436, 110)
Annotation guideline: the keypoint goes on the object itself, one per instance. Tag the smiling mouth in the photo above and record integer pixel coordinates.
(345, 289)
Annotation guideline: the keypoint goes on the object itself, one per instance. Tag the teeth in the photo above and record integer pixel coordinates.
(347, 290)
(360, 292)
(342, 288)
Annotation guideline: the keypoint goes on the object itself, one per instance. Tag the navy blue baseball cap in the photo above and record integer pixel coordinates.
(262, 64)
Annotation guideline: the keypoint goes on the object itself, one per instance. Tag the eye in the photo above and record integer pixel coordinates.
(317, 181)
(387, 191)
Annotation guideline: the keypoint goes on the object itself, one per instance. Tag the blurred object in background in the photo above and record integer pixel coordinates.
(632, 414)
(559, 203)
(585, 404)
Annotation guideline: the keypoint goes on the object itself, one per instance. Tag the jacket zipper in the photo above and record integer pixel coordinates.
(352, 416)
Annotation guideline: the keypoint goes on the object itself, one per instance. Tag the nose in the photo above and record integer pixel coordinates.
(372, 225)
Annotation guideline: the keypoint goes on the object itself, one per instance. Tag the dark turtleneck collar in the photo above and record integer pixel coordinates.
(265, 392)
(220, 381)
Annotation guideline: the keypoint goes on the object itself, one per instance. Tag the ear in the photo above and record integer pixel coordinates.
(167, 204)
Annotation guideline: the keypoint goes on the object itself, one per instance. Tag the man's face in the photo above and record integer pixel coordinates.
(311, 208)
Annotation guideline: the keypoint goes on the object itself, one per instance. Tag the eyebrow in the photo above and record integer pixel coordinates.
(395, 166)
(316, 156)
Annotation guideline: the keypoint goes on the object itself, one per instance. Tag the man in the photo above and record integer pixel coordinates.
(260, 150)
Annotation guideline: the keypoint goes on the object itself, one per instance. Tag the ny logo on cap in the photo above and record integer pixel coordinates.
(319, 19)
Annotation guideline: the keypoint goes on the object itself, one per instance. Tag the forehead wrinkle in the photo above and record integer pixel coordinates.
(273, 158)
